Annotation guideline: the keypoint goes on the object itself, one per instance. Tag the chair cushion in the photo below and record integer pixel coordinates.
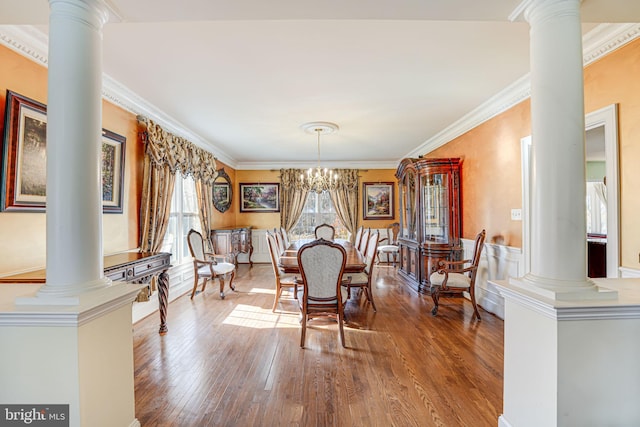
(456, 280)
(204, 271)
(288, 279)
(388, 248)
(344, 295)
(358, 279)
(223, 267)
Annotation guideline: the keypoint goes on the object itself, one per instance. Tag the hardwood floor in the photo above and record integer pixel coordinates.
(233, 362)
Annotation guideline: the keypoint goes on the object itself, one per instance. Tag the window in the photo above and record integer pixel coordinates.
(318, 209)
(184, 216)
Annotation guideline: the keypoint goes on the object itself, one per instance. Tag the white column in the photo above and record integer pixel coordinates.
(558, 222)
(74, 124)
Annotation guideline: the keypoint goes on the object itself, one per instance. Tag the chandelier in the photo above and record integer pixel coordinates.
(319, 179)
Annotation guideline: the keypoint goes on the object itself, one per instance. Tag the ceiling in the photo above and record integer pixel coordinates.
(241, 77)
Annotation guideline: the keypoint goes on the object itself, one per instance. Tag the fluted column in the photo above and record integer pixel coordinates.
(558, 221)
(74, 123)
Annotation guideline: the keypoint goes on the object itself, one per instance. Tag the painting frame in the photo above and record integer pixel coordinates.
(23, 159)
(378, 200)
(247, 199)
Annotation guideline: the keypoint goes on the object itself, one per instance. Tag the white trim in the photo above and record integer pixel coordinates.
(608, 117)
(525, 156)
(626, 272)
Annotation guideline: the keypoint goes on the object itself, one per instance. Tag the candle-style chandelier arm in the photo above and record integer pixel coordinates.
(320, 179)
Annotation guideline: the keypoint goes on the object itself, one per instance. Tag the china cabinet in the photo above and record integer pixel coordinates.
(430, 220)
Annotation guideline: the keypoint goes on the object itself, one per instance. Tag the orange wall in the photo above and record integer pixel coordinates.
(23, 234)
(491, 174)
(614, 80)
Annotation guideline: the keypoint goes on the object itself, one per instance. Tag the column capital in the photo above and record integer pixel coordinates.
(93, 13)
(534, 11)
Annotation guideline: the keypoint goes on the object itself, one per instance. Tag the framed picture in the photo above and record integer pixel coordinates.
(378, 200)
(23, 179)
(259, 197)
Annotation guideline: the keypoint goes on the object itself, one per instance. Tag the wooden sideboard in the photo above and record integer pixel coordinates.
(132, 267)
(234, 241)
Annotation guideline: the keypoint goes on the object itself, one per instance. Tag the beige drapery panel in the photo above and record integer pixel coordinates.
(345, 199)
(165, 155)
(293, 196)
(204, 192)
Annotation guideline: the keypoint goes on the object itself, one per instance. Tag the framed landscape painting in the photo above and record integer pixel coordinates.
(24, 159)
(259, 197)
(378, 200)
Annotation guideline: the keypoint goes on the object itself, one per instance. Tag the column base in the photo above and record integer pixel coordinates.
(563, 290)
(63, 295)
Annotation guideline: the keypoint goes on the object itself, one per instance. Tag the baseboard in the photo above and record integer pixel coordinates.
(502, 422)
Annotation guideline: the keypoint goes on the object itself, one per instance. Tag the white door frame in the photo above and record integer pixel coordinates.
(608, 118)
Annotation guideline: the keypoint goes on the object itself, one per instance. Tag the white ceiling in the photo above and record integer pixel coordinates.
(241, 77)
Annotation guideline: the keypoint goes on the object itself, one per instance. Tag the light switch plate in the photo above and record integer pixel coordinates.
(516, 214)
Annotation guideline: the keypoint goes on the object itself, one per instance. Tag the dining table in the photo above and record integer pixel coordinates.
(288, 260)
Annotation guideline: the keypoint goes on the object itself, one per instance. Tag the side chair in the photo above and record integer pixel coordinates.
(207, 265)
(322, 267)
(363, 280)
(391, 246)
(282, 279)
(454, 276)
(325, 231)
(362, 247)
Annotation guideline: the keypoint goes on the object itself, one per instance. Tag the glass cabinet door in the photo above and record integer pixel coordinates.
(435, 196)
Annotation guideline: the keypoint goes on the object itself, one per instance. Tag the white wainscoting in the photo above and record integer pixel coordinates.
(626, 272)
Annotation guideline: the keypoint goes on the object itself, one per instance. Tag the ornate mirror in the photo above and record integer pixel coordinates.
(222, 191)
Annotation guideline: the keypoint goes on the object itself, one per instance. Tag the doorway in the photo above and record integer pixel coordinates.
(601, 128)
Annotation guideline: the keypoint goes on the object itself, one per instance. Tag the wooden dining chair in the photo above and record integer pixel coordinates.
(454, 276)
(325, 231)
(283, 280)
(285, 237)
(207, 265)
(322, 267)
(356, 241)
(364, 241)
(390, 246)
(363, 280)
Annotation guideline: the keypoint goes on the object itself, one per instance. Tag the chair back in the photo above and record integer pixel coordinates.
(477, 251)
(393, 230)
(372, 248)
(280, 245)
(364, 241)
(273, 252)
(196, 244)
(325, 231)
(322, 266)
(285, 237)
(356, 242)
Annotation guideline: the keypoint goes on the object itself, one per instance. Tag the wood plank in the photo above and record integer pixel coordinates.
(234, 362)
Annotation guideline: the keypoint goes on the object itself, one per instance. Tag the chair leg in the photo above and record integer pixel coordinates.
(303, 331)
(435, 296)
(221, 279)
(233, 276)
(277, 298)
(475, 305)
(341, 328)
(370, 297)
(195, 285)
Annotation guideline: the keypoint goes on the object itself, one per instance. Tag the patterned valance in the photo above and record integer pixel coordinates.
(290, 178)
(166, 149)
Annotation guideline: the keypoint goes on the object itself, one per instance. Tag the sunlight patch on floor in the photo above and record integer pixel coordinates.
(250, 316)
(262, 291)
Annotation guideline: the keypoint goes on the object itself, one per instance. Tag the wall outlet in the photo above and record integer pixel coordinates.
(516, 214)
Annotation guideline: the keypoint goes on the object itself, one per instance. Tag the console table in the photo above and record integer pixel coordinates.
(232, 240)
(132, 267)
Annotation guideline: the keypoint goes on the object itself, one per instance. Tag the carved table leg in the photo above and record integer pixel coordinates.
(250, 253)
(163, 299)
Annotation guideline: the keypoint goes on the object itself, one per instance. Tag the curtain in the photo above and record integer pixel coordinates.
(204, 192)
(345, 199)
(165, 155)
(293, 196)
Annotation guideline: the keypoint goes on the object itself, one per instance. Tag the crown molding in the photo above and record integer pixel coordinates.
(599, 42)
(602, 40)
(306, 165)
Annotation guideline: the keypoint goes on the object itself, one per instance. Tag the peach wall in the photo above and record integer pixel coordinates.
(377, 175)
(614, 80)
(23, 234)
(491, 174)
